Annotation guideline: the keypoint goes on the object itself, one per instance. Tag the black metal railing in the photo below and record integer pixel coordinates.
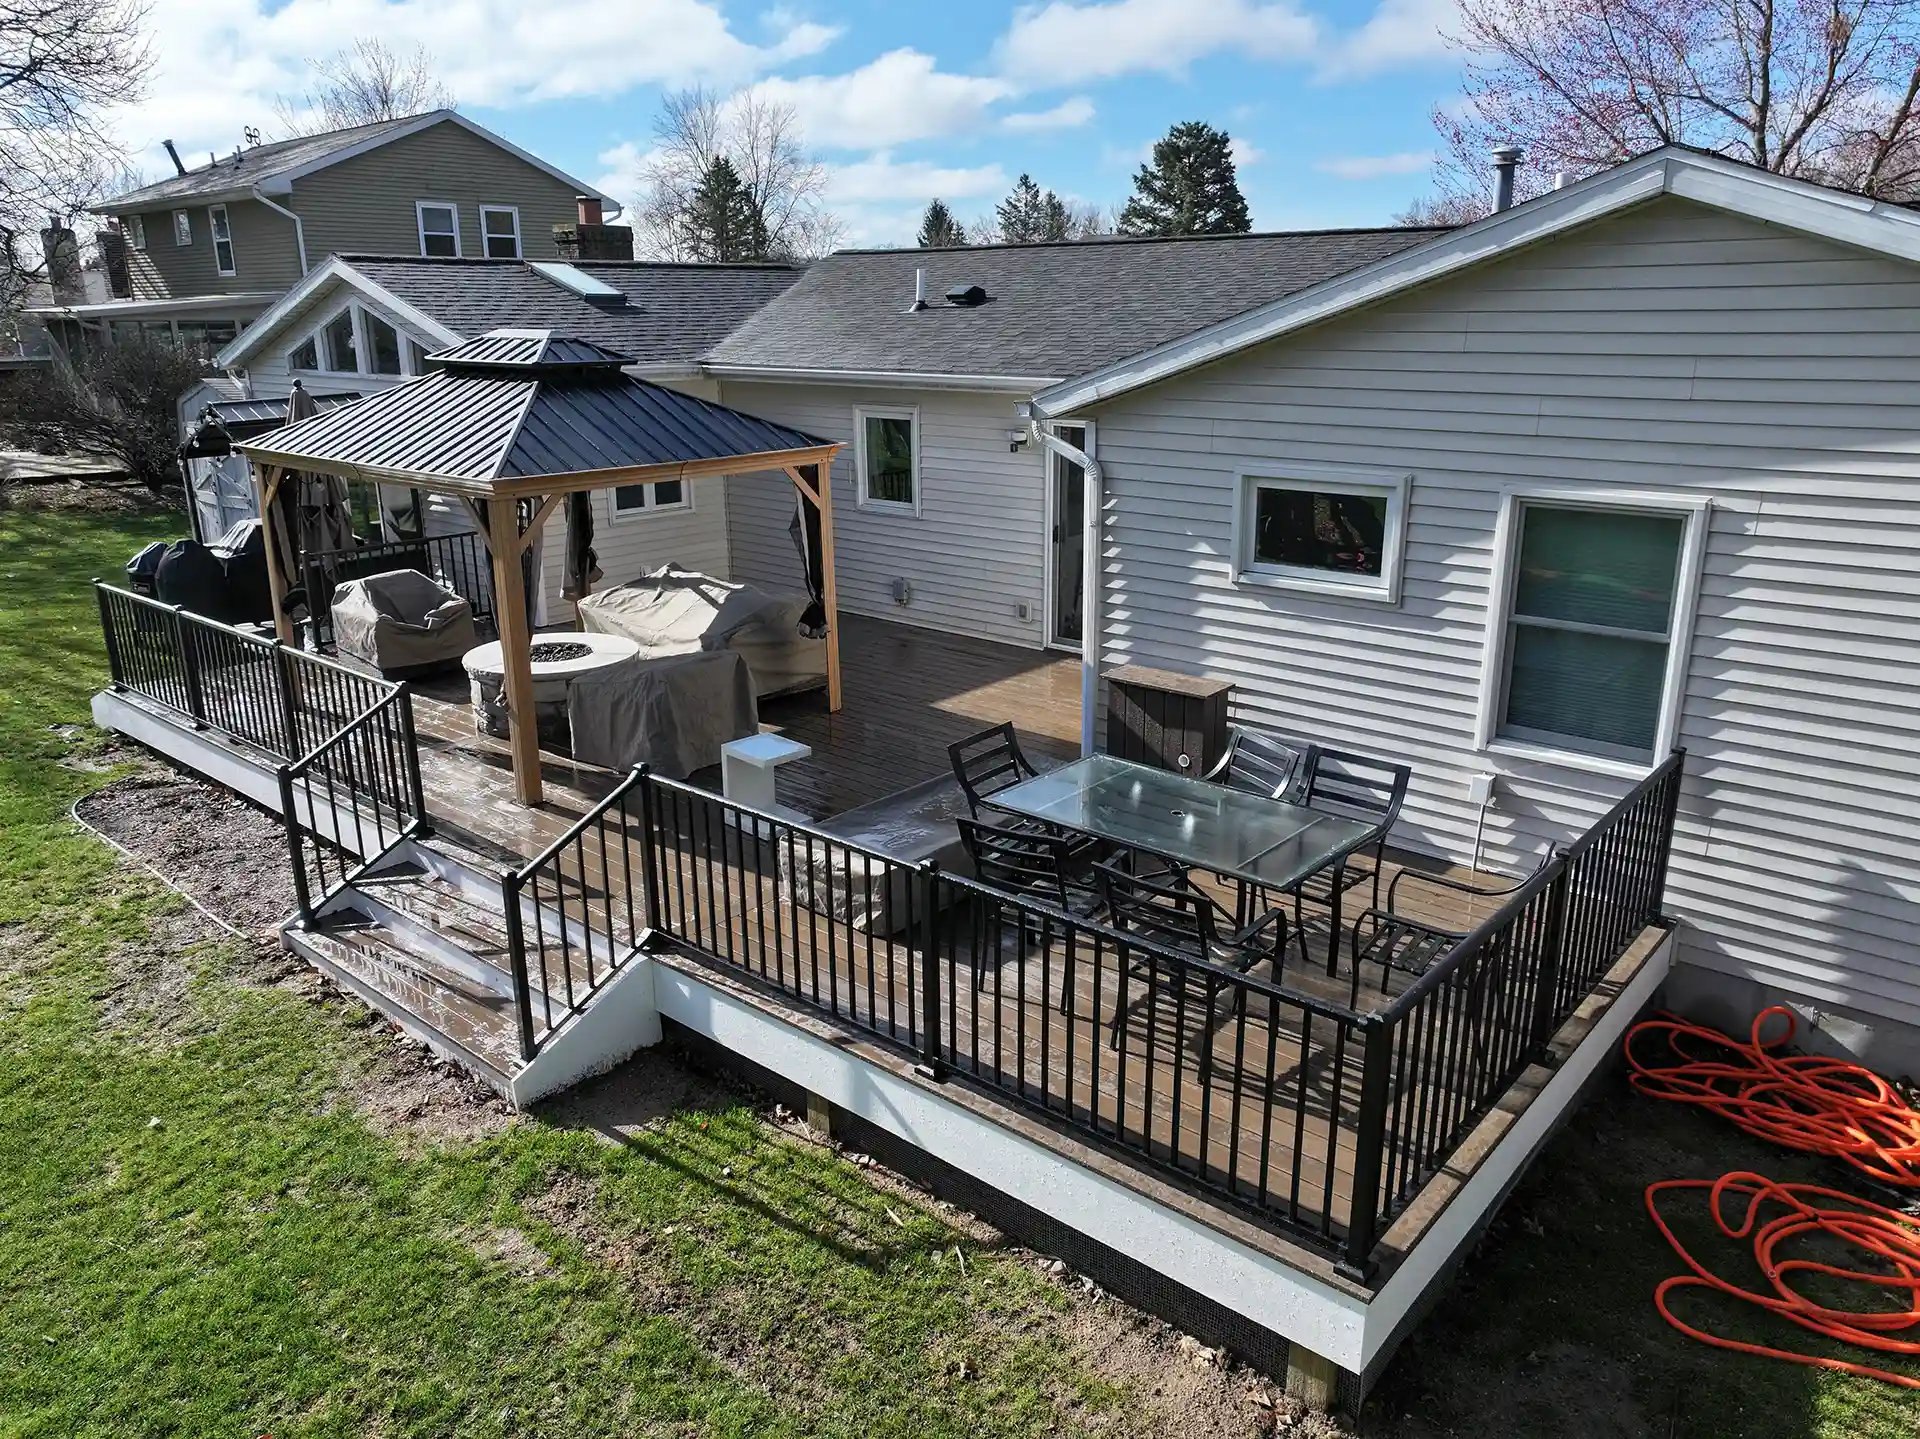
(348, 802)
(572, 917)
(460, 562)
(1324, 1119)
(280, 700)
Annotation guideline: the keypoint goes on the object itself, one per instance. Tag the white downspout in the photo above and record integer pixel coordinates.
(299, 230)
(1089, 571)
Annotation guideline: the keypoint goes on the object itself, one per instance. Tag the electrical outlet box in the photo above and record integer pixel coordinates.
(1480, 789)
(1023, 610)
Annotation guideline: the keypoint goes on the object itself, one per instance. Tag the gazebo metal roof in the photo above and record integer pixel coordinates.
(514, 406)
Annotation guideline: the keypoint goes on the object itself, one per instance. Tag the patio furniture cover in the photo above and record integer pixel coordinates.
(672, 713)
(401, 622)
(675, 611)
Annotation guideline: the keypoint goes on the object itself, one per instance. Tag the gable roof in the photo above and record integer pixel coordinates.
(1052, 310)
(274, 167)
(671, 312)
(1843, 217)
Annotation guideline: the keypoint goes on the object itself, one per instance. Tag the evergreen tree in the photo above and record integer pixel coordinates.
(938, 229)
(1188, 187)
(722, 222)
(1030, 214)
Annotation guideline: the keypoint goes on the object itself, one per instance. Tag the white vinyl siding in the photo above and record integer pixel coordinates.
(974, 555)
(1673, 350)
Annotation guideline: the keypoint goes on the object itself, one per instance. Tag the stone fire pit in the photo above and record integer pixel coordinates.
(558, 660)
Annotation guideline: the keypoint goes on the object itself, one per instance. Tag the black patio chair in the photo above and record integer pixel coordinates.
(1263, 763)
(1170, 912)
(991, 761)
(1399, 943)
(1027, 865)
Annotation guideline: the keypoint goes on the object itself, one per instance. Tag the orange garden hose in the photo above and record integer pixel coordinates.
(1819, 1106)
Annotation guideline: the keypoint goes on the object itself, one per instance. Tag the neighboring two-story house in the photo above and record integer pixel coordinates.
(199, 255)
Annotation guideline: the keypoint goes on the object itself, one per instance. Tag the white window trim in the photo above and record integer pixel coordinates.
(317, 332)
(420, 208)
(618, 516)
(1050, 517)
(178, 216)
(513, 210)
(1696, 512)
(136, 228)
(861, 413)
(213, 237)
(1396, 485)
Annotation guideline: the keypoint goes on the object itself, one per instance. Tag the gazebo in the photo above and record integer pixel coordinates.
(510, 423)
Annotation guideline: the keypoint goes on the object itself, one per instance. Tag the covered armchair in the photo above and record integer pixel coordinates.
(401, 624)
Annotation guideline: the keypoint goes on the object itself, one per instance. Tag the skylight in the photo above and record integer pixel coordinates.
(569, 277)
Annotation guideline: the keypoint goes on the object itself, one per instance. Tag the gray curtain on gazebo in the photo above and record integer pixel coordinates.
(529, 581)
(583, 567)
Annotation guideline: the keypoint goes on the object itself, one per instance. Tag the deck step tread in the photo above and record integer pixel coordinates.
(457, 915)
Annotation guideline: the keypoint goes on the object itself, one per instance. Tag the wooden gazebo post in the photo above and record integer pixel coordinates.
(267, 478)
(819, 489)
(508, 543)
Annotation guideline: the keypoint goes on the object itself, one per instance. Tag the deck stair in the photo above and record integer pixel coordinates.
(423, 939)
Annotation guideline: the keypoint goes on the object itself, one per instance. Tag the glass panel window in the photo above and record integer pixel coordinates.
(1333, 535)
(182, 228)
(664, 495)
(383, 345)
(136, 227)
(1590, 627)
(222, 239)
(887, 459)
(500, 231)
(305, 356)
(343, 355)
(439, 229)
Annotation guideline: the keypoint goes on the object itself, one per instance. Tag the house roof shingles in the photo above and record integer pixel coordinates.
(1053, 310)
(672, 313)
(261, 162)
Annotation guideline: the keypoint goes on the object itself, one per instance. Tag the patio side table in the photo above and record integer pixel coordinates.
(749, 768)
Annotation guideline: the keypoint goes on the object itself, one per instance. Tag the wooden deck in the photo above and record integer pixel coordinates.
(1260, 1096)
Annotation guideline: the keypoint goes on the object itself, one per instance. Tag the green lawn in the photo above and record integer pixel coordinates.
(263, 1261)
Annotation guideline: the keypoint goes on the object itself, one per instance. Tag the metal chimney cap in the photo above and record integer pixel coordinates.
(1508, 154)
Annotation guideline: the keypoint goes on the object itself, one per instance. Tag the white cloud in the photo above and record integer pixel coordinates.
(880, 177)
(1065, 43)
(1375, 167)
(1244, 153)
(897, 98)
(1064, 116)
(221, 63)
(1400, 32)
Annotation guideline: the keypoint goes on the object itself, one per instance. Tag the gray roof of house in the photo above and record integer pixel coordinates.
(226, 174)
(1053, 310)
(489, 413)
(672, 312)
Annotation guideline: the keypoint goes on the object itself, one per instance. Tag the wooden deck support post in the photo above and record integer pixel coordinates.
(506, 543)
(267, 479)
(1311, 1378)
(818, 487)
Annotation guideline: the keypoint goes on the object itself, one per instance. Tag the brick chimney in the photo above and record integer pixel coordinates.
(62, 249)
(588, 238)
(112, 245)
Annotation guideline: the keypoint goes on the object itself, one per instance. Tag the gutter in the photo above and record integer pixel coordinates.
(1089, 566)
(299, 230)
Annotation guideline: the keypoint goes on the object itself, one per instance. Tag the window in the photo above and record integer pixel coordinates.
(383, 345)
(182, 228)
(136, 227)
(222, 238)
(439, 228)
(209, 336)
(661, 495)
(887, 458)
(1337, 532)
(1593, 609)
(500, 231)
(306, 355)
(342, 353)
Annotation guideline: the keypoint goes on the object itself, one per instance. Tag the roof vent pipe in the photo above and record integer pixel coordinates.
(919, 291)
(179, 165)
(1506, 160)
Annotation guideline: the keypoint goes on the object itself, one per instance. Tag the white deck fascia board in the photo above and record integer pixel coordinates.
(1326, 1320)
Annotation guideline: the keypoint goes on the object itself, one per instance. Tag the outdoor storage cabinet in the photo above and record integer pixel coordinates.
(1158, 717)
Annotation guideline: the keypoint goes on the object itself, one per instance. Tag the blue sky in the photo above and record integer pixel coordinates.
(1328, 103)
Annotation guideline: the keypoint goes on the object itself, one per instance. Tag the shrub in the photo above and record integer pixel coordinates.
(118, 401)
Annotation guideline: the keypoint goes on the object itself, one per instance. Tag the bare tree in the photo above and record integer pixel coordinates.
(361, 84)
(760, 138)
(1824, 90)
(117, 401)
(62, 64)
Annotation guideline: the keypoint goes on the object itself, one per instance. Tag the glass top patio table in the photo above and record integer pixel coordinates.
(1191, 821)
